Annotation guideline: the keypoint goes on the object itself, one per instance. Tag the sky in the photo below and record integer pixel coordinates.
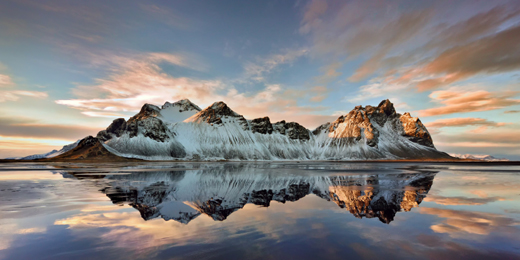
(68, 68)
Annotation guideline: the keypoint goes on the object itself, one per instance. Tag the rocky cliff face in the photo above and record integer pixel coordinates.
(366, 123)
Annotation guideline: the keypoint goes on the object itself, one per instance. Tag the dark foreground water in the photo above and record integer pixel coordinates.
(294, 210)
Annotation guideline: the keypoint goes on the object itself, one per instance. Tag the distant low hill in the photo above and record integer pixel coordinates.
(481, 157)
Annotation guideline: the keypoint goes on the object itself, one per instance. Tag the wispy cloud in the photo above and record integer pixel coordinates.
(29, 128)
(7, 93)
(137, 79)
(482, 124)
(460, 223)
(166, 15)
(461, 200)
(376, 88)
(14, 95)
(258, 69)
(511, 111)
(413, 48)
(461, 101)
(5, 81)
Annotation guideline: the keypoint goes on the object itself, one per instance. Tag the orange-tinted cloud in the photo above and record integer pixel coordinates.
(460, 223)
(392, 34)
(512, 112)
(457, 101)
(377, 30)
(14, 95)
(139, 79)
(461, 200)
(19, 128)
(466, 121)
(414, 48)
(493, 54)
(5, 80)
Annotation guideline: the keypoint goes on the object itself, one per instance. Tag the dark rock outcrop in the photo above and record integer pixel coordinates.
(145, 122)
(262, 125)
(117, 128)
(292, 129)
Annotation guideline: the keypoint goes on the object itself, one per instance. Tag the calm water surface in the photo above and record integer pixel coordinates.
(313, 210)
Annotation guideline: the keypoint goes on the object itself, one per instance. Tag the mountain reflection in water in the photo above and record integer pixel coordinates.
(184, 194)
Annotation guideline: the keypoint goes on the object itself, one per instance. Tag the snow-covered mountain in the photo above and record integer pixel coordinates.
(481, 157)
(220, 190)
(182, 131)
(52, 153)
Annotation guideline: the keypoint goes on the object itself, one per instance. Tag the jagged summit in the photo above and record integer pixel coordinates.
(386, 107)
(183, 131)
(368, 122)
(215, 113)
(183, 105)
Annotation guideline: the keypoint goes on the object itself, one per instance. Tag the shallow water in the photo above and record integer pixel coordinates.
(259, 210)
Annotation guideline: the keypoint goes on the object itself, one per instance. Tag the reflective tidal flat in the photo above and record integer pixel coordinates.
(283, 210)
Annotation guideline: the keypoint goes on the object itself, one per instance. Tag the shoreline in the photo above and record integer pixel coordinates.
(133, 160)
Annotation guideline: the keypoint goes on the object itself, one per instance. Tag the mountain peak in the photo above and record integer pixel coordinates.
(183, 104)
(220, 109)
(386, 107)
(148, 110)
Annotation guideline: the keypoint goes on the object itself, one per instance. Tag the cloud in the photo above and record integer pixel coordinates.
(138, 79)
(257, 70)
(5, 81)
(512, 112)
(356, 27)
(392, 34)
(376, 87)
(103, 114)
(499, 141)
(461, 200)
(493, 54)
(498, 136)
(403, 241)
(406, 45)
(504, 140)
(460, 223)
(166, 15)
(462, 122)
(463, 101)
(19, 127)
(23, 146)
(330, 72)
(479, 193)
(14, 95)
